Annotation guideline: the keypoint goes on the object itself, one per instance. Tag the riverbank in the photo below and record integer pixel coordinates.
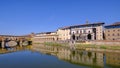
(83, 46)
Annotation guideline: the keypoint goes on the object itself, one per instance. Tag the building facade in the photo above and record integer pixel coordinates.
(78, 32)
(63, 33)
(82, 32)
(45, 37)
(87, 31)
(112, 32)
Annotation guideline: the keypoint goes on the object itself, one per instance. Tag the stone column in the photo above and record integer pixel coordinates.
(86, 38)
(21, 43)
(75, 38)
(93, 37)
(3, 43)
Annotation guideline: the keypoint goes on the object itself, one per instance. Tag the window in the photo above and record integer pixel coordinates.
(84, 31)
(118, 34)
(108, 34)
(73, 32)
(113, 30)
(80, 31)
(77, 38)
(113, 34)
(96, 29)
(77, 32)
(108, 30)
(89, 31)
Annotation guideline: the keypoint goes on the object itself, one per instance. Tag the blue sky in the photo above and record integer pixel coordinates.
(20, 17)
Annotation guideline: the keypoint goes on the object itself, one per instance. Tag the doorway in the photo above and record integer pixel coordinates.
(73, 37)
(89, 37)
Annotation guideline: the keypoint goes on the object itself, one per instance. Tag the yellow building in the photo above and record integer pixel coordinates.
(112, 32)
(45, 37)
(63, 33)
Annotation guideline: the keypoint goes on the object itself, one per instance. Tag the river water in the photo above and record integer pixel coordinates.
(57, 57)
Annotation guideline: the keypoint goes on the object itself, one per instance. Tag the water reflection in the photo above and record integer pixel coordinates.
(77, 57)
(14, 49)
(82, 57)
(113, 59)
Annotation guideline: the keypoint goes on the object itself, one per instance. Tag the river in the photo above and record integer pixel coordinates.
(56, 57)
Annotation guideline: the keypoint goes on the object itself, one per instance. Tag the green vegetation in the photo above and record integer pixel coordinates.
(37, 43)
(110, 47)
(52, 44)
(103, 47)
(114, 47)
(84, 46)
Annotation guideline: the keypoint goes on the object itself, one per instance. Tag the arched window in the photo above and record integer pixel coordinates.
(88, 31)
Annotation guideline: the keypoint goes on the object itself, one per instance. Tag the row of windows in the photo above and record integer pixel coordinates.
(65, 38)
(114, 30)
(80, 32)
(64, 34)
(114, 34)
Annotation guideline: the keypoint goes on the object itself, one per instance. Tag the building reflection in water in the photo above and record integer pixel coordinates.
(82, 57)
(79, 57)
(14, 49)
(113, 59)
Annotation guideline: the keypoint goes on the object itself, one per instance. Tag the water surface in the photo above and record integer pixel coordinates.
(56, 57)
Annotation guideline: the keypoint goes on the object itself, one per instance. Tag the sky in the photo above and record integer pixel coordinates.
(21, 17)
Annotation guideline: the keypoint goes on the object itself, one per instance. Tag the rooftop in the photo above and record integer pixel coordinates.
(45, 33)
(114, 25)
(82, 25)
(13, 36)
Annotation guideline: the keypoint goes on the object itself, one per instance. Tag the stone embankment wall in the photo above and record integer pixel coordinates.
(58, 41)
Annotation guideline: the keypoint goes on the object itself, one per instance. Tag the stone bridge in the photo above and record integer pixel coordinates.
(10, 40)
